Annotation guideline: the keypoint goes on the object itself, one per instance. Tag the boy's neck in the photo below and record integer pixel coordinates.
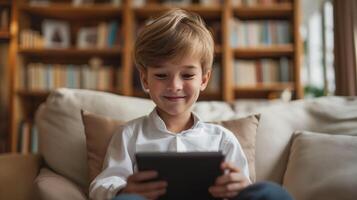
(177, 123)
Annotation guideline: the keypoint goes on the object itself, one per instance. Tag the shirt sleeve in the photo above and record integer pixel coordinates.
(234, 153)
(117, 167)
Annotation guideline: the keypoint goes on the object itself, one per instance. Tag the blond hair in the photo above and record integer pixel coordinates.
(172, 36)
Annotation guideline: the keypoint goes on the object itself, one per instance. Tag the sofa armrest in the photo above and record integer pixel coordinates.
(17, 174)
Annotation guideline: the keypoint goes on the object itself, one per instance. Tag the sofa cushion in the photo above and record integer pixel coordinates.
(244, 129)
(61, 133)
(278, 122)
(322, 166)
(52, 186)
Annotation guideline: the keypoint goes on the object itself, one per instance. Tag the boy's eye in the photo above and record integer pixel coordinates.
(160, 76)
(188, 76)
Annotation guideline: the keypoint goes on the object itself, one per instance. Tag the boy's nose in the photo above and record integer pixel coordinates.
(175, 84)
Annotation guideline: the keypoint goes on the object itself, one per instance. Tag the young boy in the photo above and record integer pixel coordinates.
(174, 55)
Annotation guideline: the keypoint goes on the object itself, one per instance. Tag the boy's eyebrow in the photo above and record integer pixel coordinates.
(190, 66)
(186, 66)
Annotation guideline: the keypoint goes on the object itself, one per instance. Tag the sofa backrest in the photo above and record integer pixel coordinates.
(62, 139)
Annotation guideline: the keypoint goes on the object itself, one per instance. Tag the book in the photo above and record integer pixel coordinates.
(34, 140)
(40, 76)
(112, 33)
(259, 33)
(4, 19)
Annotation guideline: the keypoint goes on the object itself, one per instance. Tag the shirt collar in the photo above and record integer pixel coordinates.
(160, 124)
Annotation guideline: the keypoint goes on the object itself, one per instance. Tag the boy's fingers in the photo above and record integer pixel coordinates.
(231, 177)
(142, 176)
(216, 189)
(230, 167)
(232, 187)
(231, 194)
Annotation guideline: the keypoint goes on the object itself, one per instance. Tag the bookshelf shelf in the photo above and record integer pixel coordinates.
(72, 52)
(278, 10)
(154, 9)
(264, 51)
(33, 94)
(67, 11)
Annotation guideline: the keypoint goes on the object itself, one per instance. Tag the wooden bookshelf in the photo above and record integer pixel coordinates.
(5, 6)
(288, 12)
(25, 101)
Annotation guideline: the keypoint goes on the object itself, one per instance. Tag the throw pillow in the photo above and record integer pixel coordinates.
(245, 130)
(322, 166)
(98, 131)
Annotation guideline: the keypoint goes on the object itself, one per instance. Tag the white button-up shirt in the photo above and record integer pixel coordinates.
(149, 134)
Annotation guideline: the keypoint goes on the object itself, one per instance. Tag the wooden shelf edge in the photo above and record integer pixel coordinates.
(70, 51)
(277, 10)
(154, 9)
(34, 93)
(69, 11)
(264, 51)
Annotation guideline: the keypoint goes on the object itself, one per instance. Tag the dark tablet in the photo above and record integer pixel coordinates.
(189, 174)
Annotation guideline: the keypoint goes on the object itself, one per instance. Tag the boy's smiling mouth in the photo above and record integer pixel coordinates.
(174, 98)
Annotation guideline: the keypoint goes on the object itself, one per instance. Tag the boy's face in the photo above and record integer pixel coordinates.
(175, 87)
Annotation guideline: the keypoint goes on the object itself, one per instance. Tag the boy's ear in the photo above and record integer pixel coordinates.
(143, 79)
(205, 79)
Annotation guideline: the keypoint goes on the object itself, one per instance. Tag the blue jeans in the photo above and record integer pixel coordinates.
(257, 191)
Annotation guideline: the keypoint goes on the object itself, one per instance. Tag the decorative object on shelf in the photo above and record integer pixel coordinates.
(56, 34)
(87, 37)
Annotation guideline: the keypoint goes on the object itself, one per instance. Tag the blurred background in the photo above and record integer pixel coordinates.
(266, 50)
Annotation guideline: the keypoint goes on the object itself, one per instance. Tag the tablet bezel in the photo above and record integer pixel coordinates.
(189, 174)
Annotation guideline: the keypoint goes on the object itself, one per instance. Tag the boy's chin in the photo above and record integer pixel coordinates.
(175, 112)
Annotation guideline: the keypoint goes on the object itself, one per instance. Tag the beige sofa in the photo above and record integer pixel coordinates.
(298, 161)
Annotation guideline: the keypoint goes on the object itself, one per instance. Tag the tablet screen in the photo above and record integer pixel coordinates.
(189, 174)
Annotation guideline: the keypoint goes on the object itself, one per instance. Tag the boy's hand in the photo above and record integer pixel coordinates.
(149, 190)
(229, 184)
